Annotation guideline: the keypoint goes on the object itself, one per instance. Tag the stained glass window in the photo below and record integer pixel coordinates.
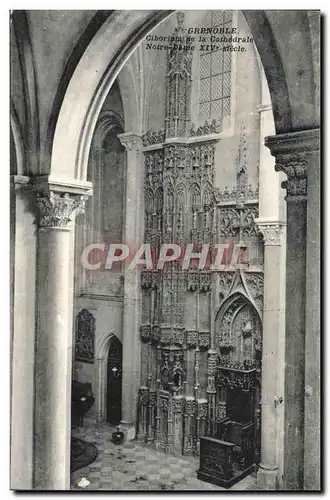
(215, 72)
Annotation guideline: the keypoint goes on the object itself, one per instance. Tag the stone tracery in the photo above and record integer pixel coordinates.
(184, 205)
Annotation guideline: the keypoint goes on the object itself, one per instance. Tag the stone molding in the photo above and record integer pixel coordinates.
(291, 151)
(20, 182)
(262, 108)
(293, 143)
(272, 231)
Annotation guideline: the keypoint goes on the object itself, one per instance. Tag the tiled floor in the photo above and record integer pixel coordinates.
(135, 467)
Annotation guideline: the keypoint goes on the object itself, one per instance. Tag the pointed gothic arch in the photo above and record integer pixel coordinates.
(102, 352)
(234, 295)
(238, 330)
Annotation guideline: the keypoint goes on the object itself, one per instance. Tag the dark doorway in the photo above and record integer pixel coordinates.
(114, 376)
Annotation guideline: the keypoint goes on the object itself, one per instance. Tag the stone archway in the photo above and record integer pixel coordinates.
(114, 381)
(128, 28)
(70, 150)
(238, 343)
(101, 370)
(82, 112)
(238, 308)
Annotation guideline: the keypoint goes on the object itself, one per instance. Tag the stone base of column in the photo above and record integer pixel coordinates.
(267, 478)
(128, 429)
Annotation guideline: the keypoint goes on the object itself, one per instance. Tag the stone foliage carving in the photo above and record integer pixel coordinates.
(238, 221)
(152, 137)
(57, 210)
(208, 128)
(177, 404)
(192, 338)
(150, 279)
(255, 284)
(221, 410)
(204, 339)
(236, 378)
(196, 338)
(145, 333)
(296, 171)
(190, 407)
(225, 281)
(233, 195)
(272, 232)
(143, 396)
(198, 281)
(202, 409)
(178, 336)
(234, 364)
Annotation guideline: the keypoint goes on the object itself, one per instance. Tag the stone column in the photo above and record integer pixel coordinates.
(295, 156)
(133, 235)
(53, 348)
(23, 233)
(273, 232)
(312, 473)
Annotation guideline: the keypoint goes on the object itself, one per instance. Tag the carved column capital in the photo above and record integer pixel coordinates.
(58, 199)
(272, 231)
(295, 167)
(293, 157)
(131, 141)
(56, 210)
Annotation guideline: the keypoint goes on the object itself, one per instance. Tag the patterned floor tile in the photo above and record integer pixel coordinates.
(133, 466)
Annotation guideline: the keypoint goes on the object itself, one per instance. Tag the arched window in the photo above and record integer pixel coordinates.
(215, 71)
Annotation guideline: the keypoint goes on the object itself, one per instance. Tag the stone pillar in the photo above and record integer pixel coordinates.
(133, 235)
(53, 351)
(23, 231)
(312, 479)
(273, 232)
(295, 156)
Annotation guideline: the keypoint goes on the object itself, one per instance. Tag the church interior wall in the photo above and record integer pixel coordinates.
(245, 97)
(101, 291)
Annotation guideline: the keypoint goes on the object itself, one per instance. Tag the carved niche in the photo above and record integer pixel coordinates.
(85, 336)
(178, 78)
(239, 335)
(172, 370)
